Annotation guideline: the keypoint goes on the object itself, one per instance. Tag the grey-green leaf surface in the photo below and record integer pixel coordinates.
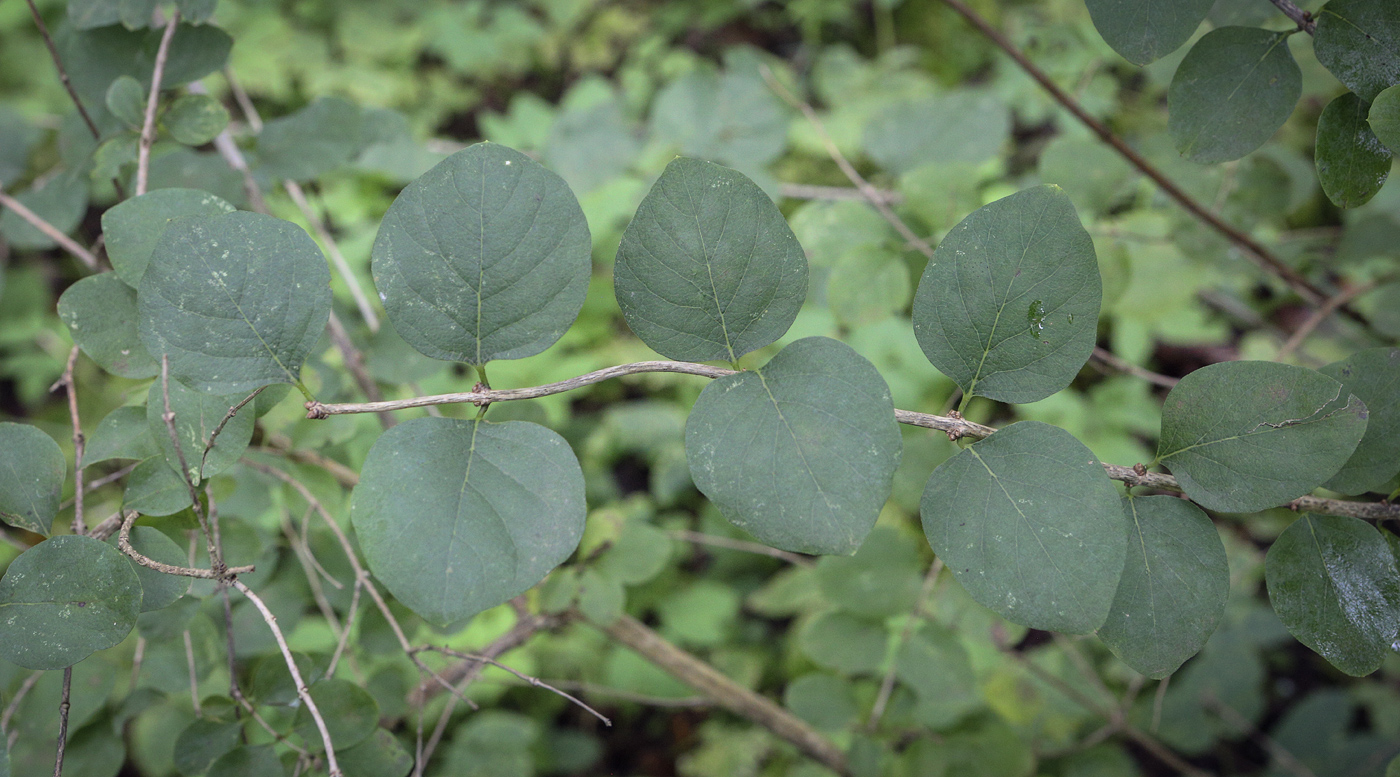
(155, 488)
(456, 517)
(100, 312)
(1143, 31)
(314, 140)
(1333, 582)
(380, 755)
(203, 742)
(1359, 42)
(197, 415)
(87, 14)
(1248, 435)
(841, 641)
(730, 117)
(20, 138)
(708, 269)
(1174, 586)
(61, 202)
(32, 471)
(801, 452)
(122, 434)
(350, 713)
(95, 58)
(158, 590)
(1384, 118)
(1029, 523)
(195, 119)
(1352, 163)
(237, 301)
(133, 227)
(962, 126)
(1234, 89)
(248, 761)
(1009, 306)
(65, 599)
(126, 99)
(1373, 375)
(486, 256)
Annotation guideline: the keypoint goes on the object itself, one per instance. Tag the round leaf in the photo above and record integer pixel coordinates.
(708, 269)
(1234, 89)
(1352, 164)
(65, 599)
(158, 590)
(197, 415)
(237, 301)
(155, 488)
(800, 452)
(350, 713)
(1245, 436)
(456, 517)
(1384, 117)
(195, 119)
(1173, 589)
(126, 99)
(32, 471)
(1009, 306)
(1030, 497)
(100, 312)
(1359, 41)
(1373, 376)
(486, 256)
(1334, 584)
(132, 227)
(1143, 31)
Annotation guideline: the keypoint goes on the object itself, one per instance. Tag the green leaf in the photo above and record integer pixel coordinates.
(196, 416)
(1359, 41)
(123, 434)
(1030, 497)
(349, 711)
(601, 597)
(962, 126)
(61, 202)
(1009, 306)
(866, 286)
(134, 14)
(456, 517)
(95, 58)
(100, 312)
(826, 701)
(380, 755)
(195, 119)
(237, 301)
(1234, 89)
(1173, 589)
(203, 742)
(1248, 435)
(312, 141)
(155, 488)
(880, 580)
(248, 761)
(1334, 584)
(32, 471)
(133, 227)
(486, 256)
(1352, 164)
(935, 665)
(272, 684)
(20, 138)
(843, 642)
(1144, 31)
(801, 452)
(116, 157)
(730, 117)
(65, 599)
(708, 269)
(1373, 376)
(1384, 117)
(126, 99)
(158, 590)
(637, 555)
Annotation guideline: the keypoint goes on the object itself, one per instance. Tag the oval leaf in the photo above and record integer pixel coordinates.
(486, 256)
(195, 119)
(100, 312)
(65, 599)
(1373, 376)
(133, 227)
(1009, 306)
(203, 742)
(312, 141)
(123, 434)
(237, 301)
(456, 517)
(1234, 89)
(1384, 117)
(1334, 584)
(1174, 586)
(1030, 497)
(126, 99)
(32, 471)
(380, 755)
(1352, 163)
(1359, 41)
(350, 713)
(708, 269)
(1143, 31)
(197, 415)
(155, 488)
(800, 452)
(1247, 436)
(248, 761)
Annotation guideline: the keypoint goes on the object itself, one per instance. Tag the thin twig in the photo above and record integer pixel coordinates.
(20, 693)
(533, 681)
(1120, 364)
(124, 544)
(345, 632)
(589, 689)
(90, 486)
(148, 127)
(1322, 313)
(65, 242)
(194, 675)
(64, 703)
(281, 445)
(79, 442)
(137, 658)
(355, 362)
(1302, 18)
(214, 435)
(729, 543)
(318, 225)
(62, 73)
(916, 616)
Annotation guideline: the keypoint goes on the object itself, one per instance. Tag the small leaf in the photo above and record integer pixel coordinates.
(1030, 497)
(248, 761)
(195, 119)
(1352, 164)
(935, 665)
(1359, 41)
(126, 99)
(123, 434)
(843, 642)
(95, 58)
(1009, 306)
(1245, 436)
(155, 488)
(730, 117)
(826, 701)
(1234, 89)
(197, 415)
(1144, 31)
(1373, 376)
(867, 285)
(158, 590)
(87, 14)
(237, 301)
(486, 256)
(65, 599)
(708, 269)
(350, 714)
(881, 580)
(1334, 584)
(312, 141)
(100, 312)
(601, 597)
(1384, 118)
(133, 227)
(380, 755)
(203, 742)
(960, 126)
(456, 517)
(32, 471)
(1173, 589)
(801, 452)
